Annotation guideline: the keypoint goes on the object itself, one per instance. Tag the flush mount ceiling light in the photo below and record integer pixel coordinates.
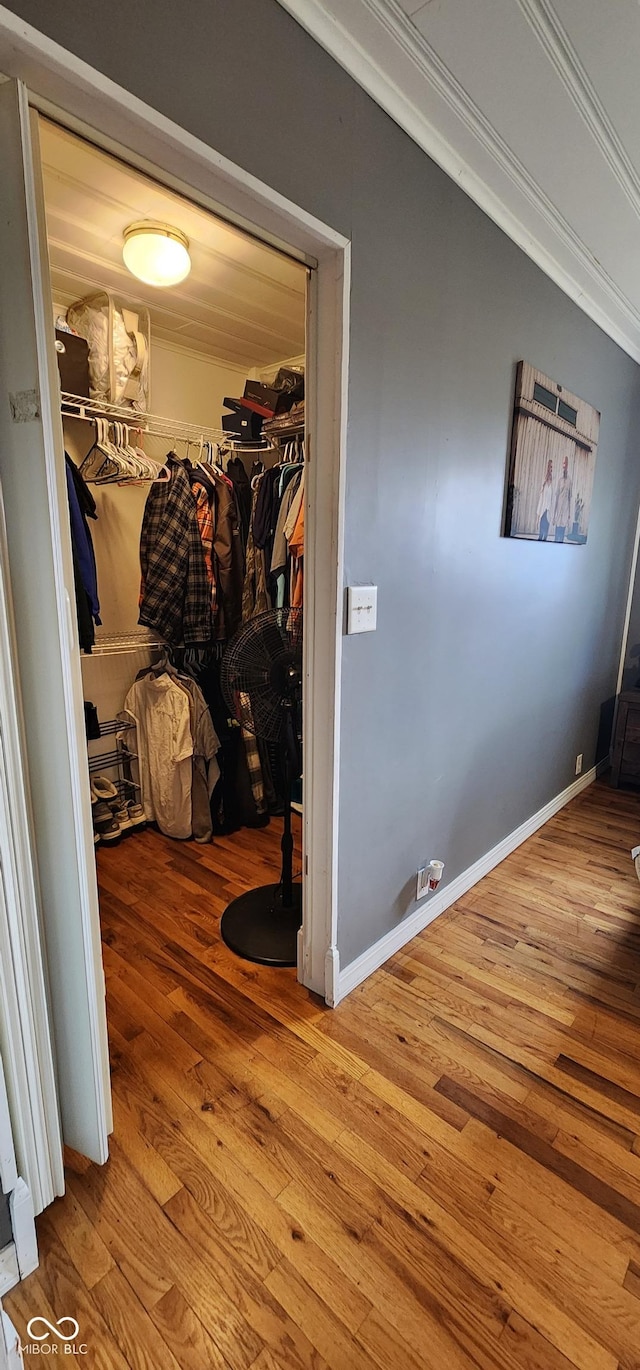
(156, 253)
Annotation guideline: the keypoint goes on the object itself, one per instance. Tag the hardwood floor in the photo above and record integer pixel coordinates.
(443, 1172)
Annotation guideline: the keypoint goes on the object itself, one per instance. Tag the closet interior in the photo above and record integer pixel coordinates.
(180, 343)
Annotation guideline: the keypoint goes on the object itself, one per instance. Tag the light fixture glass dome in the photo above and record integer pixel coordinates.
(156, 253)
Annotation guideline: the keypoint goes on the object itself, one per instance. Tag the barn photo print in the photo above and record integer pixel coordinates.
(554, 443)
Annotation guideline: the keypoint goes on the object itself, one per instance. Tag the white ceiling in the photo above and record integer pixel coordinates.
(243, 302)
(533, 107)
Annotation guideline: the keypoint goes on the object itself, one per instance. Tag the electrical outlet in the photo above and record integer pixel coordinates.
(422, 886)
(579, 764)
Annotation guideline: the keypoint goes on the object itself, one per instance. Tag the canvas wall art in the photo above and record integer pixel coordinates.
(554, 444)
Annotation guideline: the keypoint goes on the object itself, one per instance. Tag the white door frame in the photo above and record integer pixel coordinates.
(25, 1036)
(42, 585)
(77, 95)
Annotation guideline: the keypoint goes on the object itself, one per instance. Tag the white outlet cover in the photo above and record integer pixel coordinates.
(422, 884)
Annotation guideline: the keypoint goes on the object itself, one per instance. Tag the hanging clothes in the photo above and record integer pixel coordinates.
(296, 547)
(294, 534)
(176, 592)
(229, 558)
(86, 630)
(204, 515)
(205, 769)
(251, 751)
(232, 801)
(161, 712)
(280, 554)
(243, 493)
(265, 515)
(82, 506)
(255, 596)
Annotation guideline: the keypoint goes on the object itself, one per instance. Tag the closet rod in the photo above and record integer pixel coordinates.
(155, 425)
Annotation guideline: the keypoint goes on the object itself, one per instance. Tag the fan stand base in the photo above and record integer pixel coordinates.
(258, 928)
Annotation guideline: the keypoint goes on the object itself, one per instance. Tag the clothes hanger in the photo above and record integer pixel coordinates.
(88, 461)
(147, 466)
(127, 468)
(151, 469)
(98, 453)
(162, 477)
(110, 467)
(162, 665)
(187, 459)
(141, 467)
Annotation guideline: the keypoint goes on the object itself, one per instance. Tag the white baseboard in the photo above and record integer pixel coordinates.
(332, 977)
(430, 909)
(9, 1269)
(24, 1228)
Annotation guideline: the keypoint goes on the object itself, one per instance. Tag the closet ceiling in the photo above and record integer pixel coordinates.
(242, 303)
(533, 107)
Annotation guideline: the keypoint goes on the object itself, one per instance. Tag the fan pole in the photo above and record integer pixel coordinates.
(265, 657)
(286, 845)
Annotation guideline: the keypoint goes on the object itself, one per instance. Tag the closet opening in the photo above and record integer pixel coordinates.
(184, 429)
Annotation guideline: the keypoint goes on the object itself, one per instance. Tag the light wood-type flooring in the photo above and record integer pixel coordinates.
(442, 1173)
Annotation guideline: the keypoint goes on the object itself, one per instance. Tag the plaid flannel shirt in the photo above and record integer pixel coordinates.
(252, 754)
(176, 594)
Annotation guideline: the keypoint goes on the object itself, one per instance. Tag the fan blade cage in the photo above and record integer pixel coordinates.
(261, 673)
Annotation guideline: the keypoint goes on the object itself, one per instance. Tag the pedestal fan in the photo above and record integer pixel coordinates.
(262, 684)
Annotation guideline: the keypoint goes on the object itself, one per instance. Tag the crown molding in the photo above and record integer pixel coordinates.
(559, 252)
(559, 49)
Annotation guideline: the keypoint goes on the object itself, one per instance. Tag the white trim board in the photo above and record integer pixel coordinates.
(24, 1022)
(376, 43)
(393, 941)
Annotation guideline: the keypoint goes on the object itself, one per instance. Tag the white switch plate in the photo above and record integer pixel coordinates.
(362, 608)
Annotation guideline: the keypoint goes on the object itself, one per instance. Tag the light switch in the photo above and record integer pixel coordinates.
(362, 608)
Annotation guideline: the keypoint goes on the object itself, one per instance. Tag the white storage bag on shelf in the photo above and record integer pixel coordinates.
(118, 339)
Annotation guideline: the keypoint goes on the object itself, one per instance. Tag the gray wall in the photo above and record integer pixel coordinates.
(631, 677)
(463, 714)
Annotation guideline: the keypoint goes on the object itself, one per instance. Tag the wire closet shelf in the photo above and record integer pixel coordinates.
(176, 430)
(154, 425)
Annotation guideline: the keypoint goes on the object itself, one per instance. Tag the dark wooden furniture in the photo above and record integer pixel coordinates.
(625, 760)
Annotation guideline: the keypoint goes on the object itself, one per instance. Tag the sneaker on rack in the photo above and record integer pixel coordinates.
(104, 790)
(121, 817)
(137, 816)
(105, 826)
